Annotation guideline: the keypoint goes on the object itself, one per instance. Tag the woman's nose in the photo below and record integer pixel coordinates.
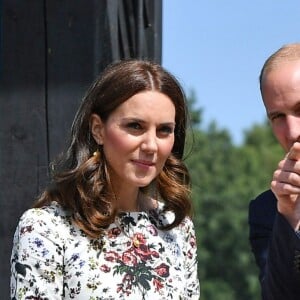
(149, 143)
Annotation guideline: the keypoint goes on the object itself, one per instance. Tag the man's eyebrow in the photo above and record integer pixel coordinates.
(273, 113)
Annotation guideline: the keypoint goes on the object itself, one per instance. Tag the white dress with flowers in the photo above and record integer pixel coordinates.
(53, 259)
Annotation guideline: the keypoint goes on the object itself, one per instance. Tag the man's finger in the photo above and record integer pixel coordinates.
(294, 153)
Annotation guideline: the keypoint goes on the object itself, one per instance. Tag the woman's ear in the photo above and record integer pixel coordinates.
(96, 127)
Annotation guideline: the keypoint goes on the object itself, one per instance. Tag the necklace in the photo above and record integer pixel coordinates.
(129, 222)
(135, 242)
(133, 225)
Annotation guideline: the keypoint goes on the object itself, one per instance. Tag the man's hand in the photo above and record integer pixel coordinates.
(286, 186)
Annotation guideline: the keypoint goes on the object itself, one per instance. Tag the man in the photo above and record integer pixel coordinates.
(274, 216)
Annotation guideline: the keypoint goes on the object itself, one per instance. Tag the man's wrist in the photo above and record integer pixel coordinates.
(292, 216)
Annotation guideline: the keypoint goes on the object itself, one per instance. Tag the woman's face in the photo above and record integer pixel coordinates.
(137, 138)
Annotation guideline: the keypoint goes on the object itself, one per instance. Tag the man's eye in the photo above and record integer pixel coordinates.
(276, 117)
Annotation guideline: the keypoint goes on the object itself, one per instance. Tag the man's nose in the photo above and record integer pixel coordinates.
(293, 128)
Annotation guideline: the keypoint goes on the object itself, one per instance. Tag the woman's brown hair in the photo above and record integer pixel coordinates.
(80, 180)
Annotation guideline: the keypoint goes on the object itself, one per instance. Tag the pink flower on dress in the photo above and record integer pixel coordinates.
(105, 268)
(190, 254)
(152, 230)
(162, 270)
(114, 233)
(193, 242)
(126, 285)
(111, 256)
(143, 252)
(129, 258)
(138, 239)
(157, 283)
(155, 254)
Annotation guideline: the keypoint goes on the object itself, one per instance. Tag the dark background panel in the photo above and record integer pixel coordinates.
(70, 64)
(23, 146)
(50, 52)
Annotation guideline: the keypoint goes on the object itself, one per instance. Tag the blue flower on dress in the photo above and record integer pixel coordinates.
(38, 242)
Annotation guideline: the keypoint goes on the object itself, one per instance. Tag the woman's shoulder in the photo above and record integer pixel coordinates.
(52, 215)
(53, 209)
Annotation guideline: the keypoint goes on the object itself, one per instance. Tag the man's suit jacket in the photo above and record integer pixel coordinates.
(276, 248)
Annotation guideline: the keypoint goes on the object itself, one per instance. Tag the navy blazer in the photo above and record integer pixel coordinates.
(276, 248)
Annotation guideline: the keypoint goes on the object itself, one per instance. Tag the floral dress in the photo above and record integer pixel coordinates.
(53, 259)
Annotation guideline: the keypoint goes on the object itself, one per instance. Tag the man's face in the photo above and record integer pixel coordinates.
(281, 96)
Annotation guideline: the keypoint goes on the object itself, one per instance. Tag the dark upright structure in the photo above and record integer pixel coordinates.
(50, 52)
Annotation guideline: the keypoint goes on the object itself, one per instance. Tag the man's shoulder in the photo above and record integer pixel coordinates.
(263, 206)
(266, 198)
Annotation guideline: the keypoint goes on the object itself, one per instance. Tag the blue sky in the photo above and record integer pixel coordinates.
(218, 47)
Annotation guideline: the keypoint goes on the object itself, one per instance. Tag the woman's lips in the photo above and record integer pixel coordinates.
(144, 163)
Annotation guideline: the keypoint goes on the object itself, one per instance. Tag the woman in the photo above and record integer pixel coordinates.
(115, 221)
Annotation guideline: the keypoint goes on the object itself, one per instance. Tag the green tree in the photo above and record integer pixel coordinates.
(225, 177)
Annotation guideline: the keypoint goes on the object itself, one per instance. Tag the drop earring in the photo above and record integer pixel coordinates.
(97, 153)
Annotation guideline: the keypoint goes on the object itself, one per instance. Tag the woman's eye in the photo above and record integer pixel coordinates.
(134, 125)
(166, 129)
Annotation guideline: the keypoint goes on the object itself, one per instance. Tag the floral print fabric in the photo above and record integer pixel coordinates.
(53, 259)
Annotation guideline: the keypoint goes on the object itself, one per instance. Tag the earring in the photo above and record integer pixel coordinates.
(96, 153)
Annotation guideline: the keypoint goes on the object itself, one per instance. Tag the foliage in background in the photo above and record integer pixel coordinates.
(225, 177)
